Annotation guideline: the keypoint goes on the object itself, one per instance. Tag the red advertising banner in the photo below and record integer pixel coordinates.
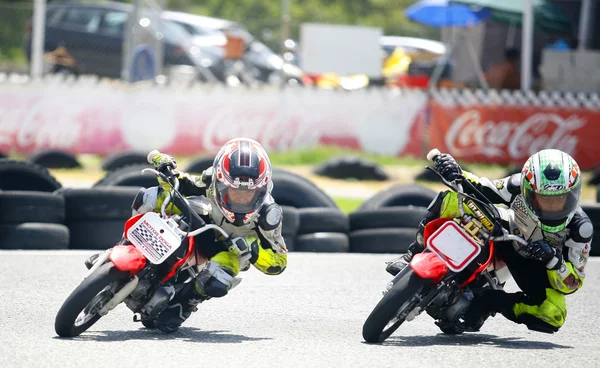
(510, 134)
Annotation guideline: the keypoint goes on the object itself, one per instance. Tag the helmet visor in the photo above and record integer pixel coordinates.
(240, 200)
(553, 208)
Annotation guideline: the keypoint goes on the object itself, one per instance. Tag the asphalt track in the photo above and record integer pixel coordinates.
(310, 316)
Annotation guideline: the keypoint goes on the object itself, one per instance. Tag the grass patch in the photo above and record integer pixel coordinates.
(348, 205)
(319, 154)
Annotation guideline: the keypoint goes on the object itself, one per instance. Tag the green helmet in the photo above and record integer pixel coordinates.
(551, 188)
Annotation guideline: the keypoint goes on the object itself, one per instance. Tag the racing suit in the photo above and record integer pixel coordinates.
(541, 304)
(267, 249)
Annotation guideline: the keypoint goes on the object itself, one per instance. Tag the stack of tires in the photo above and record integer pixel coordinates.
(593, 211)
(37, 213)
(96, 216)
(351, 167)
(388, 221)
(312, 222)
(31, 216)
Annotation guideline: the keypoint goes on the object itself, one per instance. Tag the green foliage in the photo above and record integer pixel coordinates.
(13, 19)
(319, 154)
(348, 205)
(263, 18)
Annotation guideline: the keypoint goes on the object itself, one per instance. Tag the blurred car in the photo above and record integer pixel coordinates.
(255, 61)
(410, 61)
(420, 48)
(88, 39)
(402, 57)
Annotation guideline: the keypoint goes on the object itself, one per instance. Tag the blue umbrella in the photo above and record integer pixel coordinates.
(442, 13)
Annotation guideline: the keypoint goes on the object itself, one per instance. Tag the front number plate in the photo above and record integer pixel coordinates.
(155, 239)
(454, 246)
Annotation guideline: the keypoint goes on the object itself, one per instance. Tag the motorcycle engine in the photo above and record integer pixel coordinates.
(158, 302)
(458, 306)
(136, 299)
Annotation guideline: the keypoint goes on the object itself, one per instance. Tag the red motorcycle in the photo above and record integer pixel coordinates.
(143, 269)
(458, 263)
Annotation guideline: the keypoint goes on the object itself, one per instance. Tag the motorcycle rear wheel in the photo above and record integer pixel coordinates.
(392, 309)
(80, 310)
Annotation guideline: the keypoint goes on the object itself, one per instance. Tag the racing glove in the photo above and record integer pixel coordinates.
(246, 249)
(162, 162)
(447, 166)
(541, 251)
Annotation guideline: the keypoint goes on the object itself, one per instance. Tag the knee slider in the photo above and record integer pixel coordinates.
(145, 200)
(215, 281)
(215, 288)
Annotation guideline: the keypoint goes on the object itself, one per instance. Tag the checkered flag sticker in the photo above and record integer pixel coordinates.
(153, 238)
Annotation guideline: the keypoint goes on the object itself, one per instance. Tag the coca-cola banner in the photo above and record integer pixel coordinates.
(102, 119)
(505, 134)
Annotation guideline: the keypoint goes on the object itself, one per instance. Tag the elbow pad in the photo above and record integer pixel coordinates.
(270, 217)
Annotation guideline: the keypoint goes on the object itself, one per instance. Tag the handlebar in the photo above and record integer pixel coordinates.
(457, 185)
(508, 236)
(433, 156)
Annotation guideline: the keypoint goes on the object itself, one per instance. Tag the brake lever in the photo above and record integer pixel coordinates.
(452, 184)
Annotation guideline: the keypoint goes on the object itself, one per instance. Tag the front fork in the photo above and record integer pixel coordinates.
(423, 301)
(120, 295)
(99, 262)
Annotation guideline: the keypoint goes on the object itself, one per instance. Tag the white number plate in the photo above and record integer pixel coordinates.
(155, 239)
(454, 246)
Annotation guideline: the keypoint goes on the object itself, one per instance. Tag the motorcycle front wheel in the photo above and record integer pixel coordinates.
(392, 309)
(81, 309)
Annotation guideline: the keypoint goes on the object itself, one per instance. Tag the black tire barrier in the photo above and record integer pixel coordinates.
(102, 203)
(33, 236)
(382, 240)
(387, 217)
(512, 170)
(129, 176)
(293, 190)
(595, 179)
(400, 195)
(428, 176)
(290, 221)
(17, 207)
(351, 167)
(322, 220)
(120, 160)
(53, 159)
(322, 243)
(24, 175)
(593, 212)
(97, 235)
(199, 165)
(289, 242)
